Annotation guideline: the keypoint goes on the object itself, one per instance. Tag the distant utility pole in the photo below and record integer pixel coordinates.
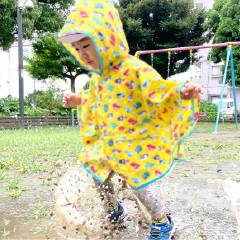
(21, 4)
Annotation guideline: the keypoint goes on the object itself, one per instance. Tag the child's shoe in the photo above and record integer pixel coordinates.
(114, 215)
(162, 231)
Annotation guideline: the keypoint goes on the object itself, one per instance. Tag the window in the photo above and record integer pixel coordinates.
(217, 97)
(25, 52)
(224, 104)
(216, 70)
(200, 5)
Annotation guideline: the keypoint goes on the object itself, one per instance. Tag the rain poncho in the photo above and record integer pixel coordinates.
(131, 120)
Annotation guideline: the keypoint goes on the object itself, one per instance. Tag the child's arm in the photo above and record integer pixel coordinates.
(190, 91)
(71, 99)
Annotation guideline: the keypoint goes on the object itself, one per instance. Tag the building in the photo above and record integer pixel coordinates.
(208, 74)
(211, 74)
(9, 80)
(202, 72)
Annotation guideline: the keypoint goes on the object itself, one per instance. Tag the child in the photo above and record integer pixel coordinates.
(131, 121)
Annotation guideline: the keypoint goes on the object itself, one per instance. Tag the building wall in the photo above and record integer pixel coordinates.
(208, 4)
(9, 81)
(200, 73)
(203, 71)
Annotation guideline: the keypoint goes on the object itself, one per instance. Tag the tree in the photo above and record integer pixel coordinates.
(50, 60)
(158, 24)
(49, 17)
(223, 25)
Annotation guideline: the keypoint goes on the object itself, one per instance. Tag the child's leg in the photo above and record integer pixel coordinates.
(152, 201)
(107, 194)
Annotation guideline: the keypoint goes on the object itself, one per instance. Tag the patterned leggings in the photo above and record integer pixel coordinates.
(147, 195)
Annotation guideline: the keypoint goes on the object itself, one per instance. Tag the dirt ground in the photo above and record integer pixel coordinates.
(200, 208)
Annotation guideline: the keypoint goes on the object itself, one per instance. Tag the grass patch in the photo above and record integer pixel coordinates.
(2, 174)
(5, 233)
(210, 126)
(15, 193)
(217, 161)
(13, 183)
(38, 149)
(41, 211)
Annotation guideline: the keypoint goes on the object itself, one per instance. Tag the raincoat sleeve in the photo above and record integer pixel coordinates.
(83, 106)
(176, 116)
(79, 107)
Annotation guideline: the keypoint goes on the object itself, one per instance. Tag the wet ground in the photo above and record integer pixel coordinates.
(199, 206)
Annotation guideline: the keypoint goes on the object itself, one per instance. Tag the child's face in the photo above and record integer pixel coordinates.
(87, 52)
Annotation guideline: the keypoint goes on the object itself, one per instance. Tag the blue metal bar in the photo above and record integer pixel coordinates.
(72, 118)
(234, 90)
(152, 59)
(223, 85)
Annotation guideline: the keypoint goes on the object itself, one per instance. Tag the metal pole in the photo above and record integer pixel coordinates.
(223, 85)
(187, 48)
(72, 118)
(20, 66)
(234, 90)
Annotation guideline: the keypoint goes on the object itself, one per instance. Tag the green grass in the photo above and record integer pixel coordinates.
(41, 211)
(5, 233)
(2, 174)
(38, 149)
(217, 161)
(209, 127)
(46, 183)
(13, 183)
(15, 193)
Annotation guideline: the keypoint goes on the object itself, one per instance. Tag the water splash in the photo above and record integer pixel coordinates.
(232, 189)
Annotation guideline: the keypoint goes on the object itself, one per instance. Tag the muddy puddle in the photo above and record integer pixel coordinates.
(196, 193)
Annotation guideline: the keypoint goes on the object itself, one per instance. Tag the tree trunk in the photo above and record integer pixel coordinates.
(73, 85)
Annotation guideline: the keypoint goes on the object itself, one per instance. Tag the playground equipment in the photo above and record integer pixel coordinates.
(229, 46)
(73, 116)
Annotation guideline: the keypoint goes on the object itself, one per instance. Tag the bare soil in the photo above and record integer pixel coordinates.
(201, 210)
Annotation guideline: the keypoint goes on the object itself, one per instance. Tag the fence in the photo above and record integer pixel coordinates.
(35, 121)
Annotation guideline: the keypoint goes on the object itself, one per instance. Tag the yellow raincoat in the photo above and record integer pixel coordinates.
(131, 120)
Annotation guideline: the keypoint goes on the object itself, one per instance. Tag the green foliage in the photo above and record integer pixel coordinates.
(41, 211)
(223, 25)
(38, 103)
(15, 193)
(86, 85)
(50, 60)
(9, 106)
(40, 99)
(47, 18)
(158, 24)
(208, 107)
(44, 103)
(36, 111)
(13, 183)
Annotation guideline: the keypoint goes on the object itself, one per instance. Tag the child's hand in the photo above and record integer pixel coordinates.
(190, 91)
(71, 99)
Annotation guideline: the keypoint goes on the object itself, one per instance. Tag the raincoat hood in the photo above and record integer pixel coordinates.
(131, 120)
(99, 20)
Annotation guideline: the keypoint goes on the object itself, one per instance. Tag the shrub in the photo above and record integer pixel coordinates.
(36, 111)
(38, 103)
(208, 107)
(86, 85)
(49, 101)
(9, 106)
(41, 99)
